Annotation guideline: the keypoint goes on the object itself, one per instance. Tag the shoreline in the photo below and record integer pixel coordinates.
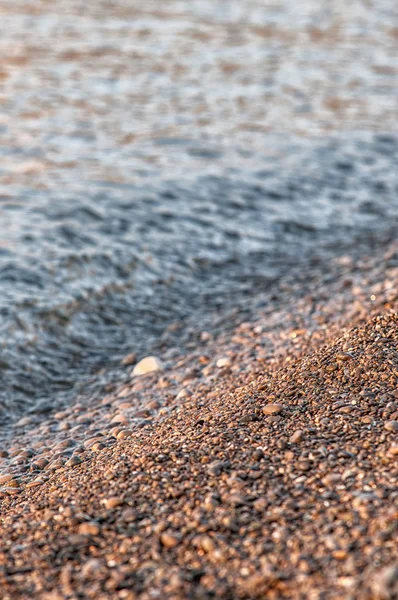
(259, 464)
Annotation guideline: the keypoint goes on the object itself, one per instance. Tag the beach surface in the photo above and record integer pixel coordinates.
(262, 463)
(206, 189)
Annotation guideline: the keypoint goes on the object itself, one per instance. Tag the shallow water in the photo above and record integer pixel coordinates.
(162, 161)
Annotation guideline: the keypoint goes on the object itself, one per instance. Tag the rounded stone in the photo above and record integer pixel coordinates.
(272, 409)
(89, 528)
(112, 502)
(169, 540)
(297, 437)
(147, 365)
(391, 426)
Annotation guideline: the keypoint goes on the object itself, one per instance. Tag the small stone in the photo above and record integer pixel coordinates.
(35, 483)
(272, 409)
(6, 477)
(391, 426)
(125, 433)
(97, 447)
(207, 544)
(344, 356)
(169, 540)
(24, 421)
(260, 504)
(385, 583)
(147, 365)
(40, 463)
(12, 491)
(215, 468)
(91, 568)
(249, 418)
(303, 465)
(223, 362)
(183, 393)
(120, 418)
(258, 454)
(340, 554)
(91, 441)
(89, 528)
(331, 479)
(393, 450)
(73, 461)
(297, 437)
(65, 444)
(129, 515)
(112, 502)
(129, 359)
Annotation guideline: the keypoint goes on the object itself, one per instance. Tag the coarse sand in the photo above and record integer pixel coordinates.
(259, 464)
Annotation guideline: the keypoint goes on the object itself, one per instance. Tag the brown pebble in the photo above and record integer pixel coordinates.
(207, 544)
(119, 418)
(344, 356)
(97, 446)
(112, 502)
(89, 528)
(125, 433)
(258, 454)
(303, 465)
(11, 490)
(169, 540)
(35, 483)
(129, 359)
(73, 461)
(297, 437)
(6, 477)
(391, 426)
(393, 450)
(272, 409)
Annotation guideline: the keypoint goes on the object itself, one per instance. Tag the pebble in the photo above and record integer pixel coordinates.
(258, 454)
(147, 365)
(35, 483)
(385, 583)
(129, 359)
(215, 468)
(169, 540)
(125, 433)
(6, 477)
(40, 463)
(224, 362)
(65, 444)
(391, 426)
(297, 437)
(393, 450)
(11, 490)
(89, 528)
(97, 447)
(344, 356)
(112, 502)
(120, 418)
(331, 479)
(303, 465)
(73, 461)
(272, 409)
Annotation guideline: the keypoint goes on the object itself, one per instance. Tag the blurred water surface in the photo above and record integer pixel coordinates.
(160, 160)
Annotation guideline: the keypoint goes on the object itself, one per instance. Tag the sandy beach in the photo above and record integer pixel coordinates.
(198, 300)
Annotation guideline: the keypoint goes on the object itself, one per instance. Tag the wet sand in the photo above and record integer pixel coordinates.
(262, 463)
